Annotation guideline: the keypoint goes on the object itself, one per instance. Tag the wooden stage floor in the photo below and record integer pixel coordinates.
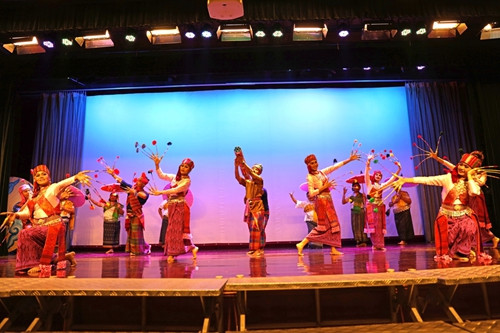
(276, 262)
(226, 290)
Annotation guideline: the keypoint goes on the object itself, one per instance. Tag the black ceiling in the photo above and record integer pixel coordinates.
(200, 62)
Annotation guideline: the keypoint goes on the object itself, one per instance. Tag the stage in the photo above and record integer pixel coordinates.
(226, 290)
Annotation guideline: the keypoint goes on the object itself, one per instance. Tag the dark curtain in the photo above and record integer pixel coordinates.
(434, 108)
(485, 106)
(7, 134)
(59, 135)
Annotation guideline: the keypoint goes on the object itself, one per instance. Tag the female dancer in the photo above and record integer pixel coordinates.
(36, 245)
(134, 223)
(375, 207)
(476, 202)
(456, 227)
(178, 239)
(328, 229)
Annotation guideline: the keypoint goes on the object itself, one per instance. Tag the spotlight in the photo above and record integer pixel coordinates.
(259, 31)
(421, 31)
(24, 45)
(207, 31)
(48, 44)
(95, 40)
(234, 32)
(190, 32)
(168, 35)
(67, 42)
(277, 31)
(405, 32)
(343, 33)
(491, 31)
(309, 31)
(421, 67)
(367, 68)
(447, 29)
(130, 38)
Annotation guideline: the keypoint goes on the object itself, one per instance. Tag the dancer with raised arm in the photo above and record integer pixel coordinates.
(375, 207)
(178, 238)
(255, 210)
(36, 245)
(135, 221)
(328, 229)
(456, 229)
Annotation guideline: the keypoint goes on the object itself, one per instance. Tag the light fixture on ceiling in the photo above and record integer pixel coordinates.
(491, 31)
(260, 31)
(190, 32)
(24, 45)
(342, 30)
(234, 32)
(306, 31)
(378, 31)
(447, 29)
(277, 31)
(94, 40)
(225, 9)
(207, 31)
(168, 35)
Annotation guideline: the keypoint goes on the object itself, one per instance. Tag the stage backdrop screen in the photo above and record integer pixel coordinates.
(275, 127)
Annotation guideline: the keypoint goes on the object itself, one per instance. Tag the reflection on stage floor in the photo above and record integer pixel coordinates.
(276, 262)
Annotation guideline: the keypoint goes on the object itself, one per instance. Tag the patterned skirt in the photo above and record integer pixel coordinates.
(111, 233)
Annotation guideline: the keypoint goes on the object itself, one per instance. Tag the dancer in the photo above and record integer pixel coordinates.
(178, 238)
(135, 222)
(255, 211)
(328, 229)
(68, 215)
(310, 216)
(476, 202)
(375, 207)
(163, 212)
(35, 247)
(401, 204)
(112, 211)
(357, 200)
(456, 226)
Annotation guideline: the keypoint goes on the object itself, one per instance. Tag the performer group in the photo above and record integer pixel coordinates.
(461, 227)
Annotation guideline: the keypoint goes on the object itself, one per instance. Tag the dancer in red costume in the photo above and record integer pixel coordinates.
(456, 227)
(328, 229)
(36, 245)
(178, 238)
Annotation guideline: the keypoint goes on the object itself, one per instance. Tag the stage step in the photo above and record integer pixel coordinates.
(486, 326)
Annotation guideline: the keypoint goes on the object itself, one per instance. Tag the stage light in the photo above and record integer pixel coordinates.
(367, 68)
(95, 40)
(420, 68)
(378, 31)
(48, 44)
(24, 45)
(130, 38)
(446, 29)
(277, 31)
(491, 31)
(307, 31)
(168, 35)
(190, 32)
(405, 32)
(260, 31)
(67, 41)
(225, 9)
(421, 31)
(234, 32)
(343, 33)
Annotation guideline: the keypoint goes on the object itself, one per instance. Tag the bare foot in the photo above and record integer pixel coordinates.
(195, 251)
(170, 259)
(334, 251)
(300, 247)
(34, 270)
(495, 242)
(110, 251)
